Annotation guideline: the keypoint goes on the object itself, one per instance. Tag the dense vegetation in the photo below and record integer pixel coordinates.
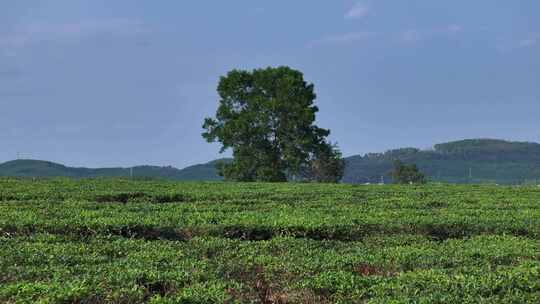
(468, 161)
(407, 174)
(122, 241)
(37, 168)
(266, 117)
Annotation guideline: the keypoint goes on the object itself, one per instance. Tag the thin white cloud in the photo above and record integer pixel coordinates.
(358, 11)
(508, 44)
(454, 29)
(31, 33)
(407, 36)
(417, 35)
(345, 38)
(348, 37)
(530, 41)
(411, 36)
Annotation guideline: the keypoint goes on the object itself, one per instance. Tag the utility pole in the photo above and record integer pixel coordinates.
(131, 172)
(470, 175)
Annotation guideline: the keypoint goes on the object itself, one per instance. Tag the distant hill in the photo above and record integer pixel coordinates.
(38, 168)
(465, 161)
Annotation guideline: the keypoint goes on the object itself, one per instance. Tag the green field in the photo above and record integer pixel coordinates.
(122, 241)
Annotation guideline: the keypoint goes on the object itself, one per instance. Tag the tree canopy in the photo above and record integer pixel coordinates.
(407, 174)
(266, 116)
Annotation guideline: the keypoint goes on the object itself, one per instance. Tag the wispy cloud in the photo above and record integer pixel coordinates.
(508, 44)
(358, 11)
(345, 38)
(453, 29)
(410, 36)
(407, 36)
(348, 37)
(27, 34)
(417, 35)
(530, 41)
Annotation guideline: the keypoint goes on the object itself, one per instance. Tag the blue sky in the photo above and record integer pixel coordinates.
(120, 83)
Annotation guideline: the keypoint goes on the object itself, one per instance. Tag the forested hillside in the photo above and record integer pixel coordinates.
(465, 161)
(38, 168)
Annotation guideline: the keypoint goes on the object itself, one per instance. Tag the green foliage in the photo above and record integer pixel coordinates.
(37, 168)
(326, 166)
(488, 161)
(407, 174)
(503, 149)
(267, 118)
(125, 241)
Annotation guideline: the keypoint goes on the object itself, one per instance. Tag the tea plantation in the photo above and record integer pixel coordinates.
(124, 241)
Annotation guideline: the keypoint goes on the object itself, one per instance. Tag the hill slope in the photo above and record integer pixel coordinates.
(465, 161)
(472, 160)
(38, 168)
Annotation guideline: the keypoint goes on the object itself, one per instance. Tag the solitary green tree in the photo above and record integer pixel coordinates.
(326, 166)
(407, 174)
(266, 116)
